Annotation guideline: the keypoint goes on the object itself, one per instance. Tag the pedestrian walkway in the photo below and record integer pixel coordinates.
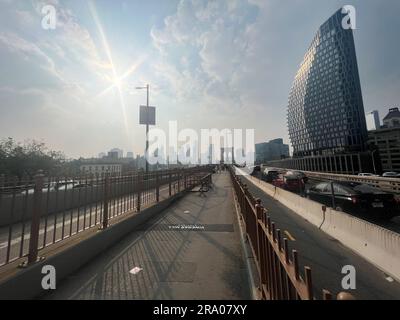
(190, 251)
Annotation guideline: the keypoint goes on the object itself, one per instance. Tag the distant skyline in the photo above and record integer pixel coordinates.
(223, 63)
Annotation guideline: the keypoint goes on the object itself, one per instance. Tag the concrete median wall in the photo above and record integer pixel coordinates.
(377, 245)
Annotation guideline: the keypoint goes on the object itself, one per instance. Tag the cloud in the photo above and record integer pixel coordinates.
(206, 41)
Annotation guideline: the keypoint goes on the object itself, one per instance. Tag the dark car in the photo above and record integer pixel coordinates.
(356, 198)
(269, 175)
(293, 183)
(299, 174)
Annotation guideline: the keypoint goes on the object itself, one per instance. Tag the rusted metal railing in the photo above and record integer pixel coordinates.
(278, 267)
(38, 212)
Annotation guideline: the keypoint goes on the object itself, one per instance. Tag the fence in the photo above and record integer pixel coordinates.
(40, 212)
(278, 268)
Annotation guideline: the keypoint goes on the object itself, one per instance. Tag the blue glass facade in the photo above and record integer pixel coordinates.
(325, 109)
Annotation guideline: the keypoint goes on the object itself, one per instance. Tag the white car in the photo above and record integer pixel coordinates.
(391, 175)
(362, 174)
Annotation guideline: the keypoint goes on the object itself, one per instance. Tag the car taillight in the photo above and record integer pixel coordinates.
(354, 200)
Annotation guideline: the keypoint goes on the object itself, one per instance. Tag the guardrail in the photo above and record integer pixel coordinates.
(36, 214)
(383, 183)
(279, 274)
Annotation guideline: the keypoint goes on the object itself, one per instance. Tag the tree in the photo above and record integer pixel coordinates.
(27, 158)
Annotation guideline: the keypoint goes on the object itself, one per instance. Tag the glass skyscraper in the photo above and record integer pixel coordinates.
(325, 110)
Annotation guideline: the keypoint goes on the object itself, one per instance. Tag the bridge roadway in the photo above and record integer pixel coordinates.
(171, 263)
(325, 255)
(208, 264)
(78, 219)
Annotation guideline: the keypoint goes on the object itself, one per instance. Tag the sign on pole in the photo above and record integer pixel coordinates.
(147, 115)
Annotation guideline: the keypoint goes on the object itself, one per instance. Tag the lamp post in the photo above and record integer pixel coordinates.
(373, 160)
(147, 127)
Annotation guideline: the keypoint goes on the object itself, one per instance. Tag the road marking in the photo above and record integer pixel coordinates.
(289, 235)
(135, 270)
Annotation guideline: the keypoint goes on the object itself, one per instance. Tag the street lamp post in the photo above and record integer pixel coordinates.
(147, 127)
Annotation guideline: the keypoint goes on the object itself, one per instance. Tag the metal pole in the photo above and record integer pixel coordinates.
(333, 197)
(157, 187)
(147, 131)
(373, 160)
(35, 224)
(105, 200)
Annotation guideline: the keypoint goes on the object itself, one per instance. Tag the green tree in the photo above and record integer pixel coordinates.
(27, 158)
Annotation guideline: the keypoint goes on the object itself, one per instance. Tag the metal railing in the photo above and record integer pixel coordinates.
(383, 183)
(278, 267)
(40, 212)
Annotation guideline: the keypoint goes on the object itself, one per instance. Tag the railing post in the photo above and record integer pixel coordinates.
(157, 187)
(179, 181)
(259, 212)
(185, 180)
(139, 194)
(345, 296)
(170, 184)
(105, 201)
(35, 224)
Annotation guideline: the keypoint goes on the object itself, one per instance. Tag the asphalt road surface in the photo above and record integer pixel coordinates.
(327, 256)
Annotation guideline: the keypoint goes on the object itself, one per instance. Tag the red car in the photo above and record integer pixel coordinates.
(293, 183)
(278, 181)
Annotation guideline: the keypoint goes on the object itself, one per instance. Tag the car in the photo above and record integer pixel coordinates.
(391, 175)
(293, 183)
(355, 198)
(299, 174)
(365, 174)
(271, 174)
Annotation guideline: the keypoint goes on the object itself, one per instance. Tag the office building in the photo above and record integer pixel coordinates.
(392, 119)
(272, 150)
(387, 141)
(325, 111)
(325, 114)
(373, 122)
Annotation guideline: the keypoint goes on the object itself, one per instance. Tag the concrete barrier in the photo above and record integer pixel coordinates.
(376, 244)
(26, 284)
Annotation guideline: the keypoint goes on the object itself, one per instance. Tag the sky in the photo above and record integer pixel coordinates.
(210, 64)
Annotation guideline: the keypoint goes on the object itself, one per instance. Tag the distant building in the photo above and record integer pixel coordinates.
(129, 155)
(119, 152)
(272, 150)
(113, 155)
(373, 122)
(392, 119)
(102, 155)
(387, 140)
(100, 168)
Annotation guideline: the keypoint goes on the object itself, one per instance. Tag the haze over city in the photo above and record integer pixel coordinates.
(209, 64)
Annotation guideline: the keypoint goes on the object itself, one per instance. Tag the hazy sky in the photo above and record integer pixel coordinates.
(222, 63)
